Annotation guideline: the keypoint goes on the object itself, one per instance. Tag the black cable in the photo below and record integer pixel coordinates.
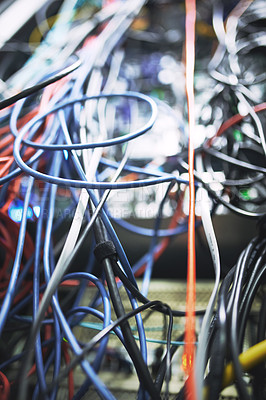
(218, 354)
(249, 293)
(262, 321)
(222, 320)
(218, 338)
(233, 307)
(234, 161)
(164, 310)
(258, 381)
(181, 394)
(258, 372)
(252, 258)
(168, 353)
(99, 336)
(132, 348)
(231, 182)
(139, 296)
(217, 341)
(219, 198)
(33, 89)
(163, 366)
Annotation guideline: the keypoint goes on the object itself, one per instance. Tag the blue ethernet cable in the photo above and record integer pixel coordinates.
(36, 288)
(56, 166)
(38, 119)
(7, 302)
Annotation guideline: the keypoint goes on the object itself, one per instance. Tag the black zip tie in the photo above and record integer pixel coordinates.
(105, 250)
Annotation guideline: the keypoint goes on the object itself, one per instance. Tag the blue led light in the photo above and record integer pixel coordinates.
(65, 154)
(15, 211)
(37, 211)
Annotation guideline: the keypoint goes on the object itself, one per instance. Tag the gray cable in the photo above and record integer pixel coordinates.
(213, 246)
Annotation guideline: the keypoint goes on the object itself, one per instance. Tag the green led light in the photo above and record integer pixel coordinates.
(245, 194)
(238, 135)
(158, 93)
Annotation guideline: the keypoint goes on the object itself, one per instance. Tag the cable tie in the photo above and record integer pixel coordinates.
(105, 250)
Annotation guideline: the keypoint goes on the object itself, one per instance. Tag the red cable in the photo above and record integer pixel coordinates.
(189, 350)
(4, 387)
(232, 121)
(9, 231)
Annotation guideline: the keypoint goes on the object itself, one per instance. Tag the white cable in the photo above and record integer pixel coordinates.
(253, 115)
(90, 171)
(212, 243)
(59, 46)
(16, 16)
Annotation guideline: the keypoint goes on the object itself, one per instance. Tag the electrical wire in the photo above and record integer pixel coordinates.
(188, 356)
(103, 333)
(250, 358)
(29, 91)
(75, 149)
(211, 239)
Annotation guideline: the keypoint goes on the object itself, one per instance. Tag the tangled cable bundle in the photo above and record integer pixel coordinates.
(100, 128)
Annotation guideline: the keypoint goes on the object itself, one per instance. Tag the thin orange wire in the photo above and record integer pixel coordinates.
(189, 350)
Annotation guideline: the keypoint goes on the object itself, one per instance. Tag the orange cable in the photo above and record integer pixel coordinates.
(8, 162)
(189, 349)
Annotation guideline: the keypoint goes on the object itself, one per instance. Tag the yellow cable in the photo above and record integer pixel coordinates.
(248, 360)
